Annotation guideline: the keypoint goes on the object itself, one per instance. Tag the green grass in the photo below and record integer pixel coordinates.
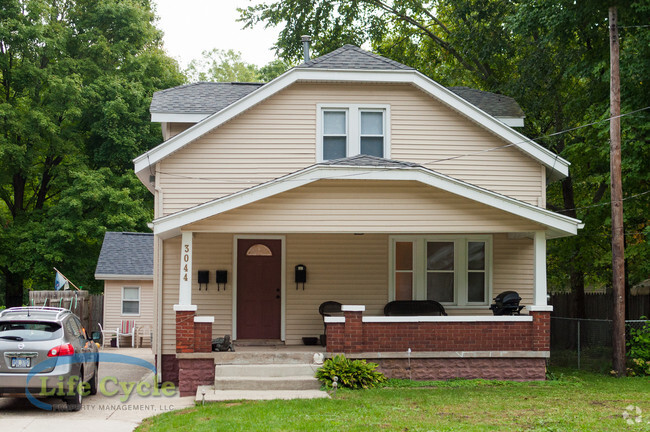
(573, 401)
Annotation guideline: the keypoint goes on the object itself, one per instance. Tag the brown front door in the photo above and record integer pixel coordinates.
(259, 279)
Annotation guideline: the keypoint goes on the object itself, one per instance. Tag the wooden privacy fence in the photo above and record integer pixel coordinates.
(89, 308)
(599, 306)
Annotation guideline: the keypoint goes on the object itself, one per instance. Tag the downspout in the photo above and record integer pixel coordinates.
(158, 251)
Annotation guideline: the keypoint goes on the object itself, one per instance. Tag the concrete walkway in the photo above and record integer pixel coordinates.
(99, 413)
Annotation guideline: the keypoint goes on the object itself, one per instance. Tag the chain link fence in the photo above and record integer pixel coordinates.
(585, 343)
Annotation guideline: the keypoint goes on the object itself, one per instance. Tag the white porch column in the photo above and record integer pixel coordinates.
(185, 285)
(539, 266)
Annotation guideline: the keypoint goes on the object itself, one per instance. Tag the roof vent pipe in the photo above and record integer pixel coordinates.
(306, 39)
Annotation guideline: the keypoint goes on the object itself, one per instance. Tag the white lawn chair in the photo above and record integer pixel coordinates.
(109, 333)
(127, 328)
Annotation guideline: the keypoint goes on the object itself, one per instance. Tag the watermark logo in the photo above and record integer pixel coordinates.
(633, 415)
(108, 386)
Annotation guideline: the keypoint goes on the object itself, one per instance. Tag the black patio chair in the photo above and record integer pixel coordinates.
(327, 309)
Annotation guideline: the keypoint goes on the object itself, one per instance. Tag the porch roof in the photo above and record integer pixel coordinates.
(368, 168)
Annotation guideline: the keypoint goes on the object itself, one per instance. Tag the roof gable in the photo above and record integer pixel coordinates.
(125, 255)
(556, 166)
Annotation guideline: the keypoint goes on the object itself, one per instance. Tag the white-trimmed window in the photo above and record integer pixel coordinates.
(130, 300)
(351, 129)
(452, 270)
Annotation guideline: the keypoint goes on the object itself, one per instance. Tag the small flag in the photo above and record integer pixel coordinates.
(60, 282)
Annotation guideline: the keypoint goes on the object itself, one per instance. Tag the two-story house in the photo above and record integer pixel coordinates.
(383, 185)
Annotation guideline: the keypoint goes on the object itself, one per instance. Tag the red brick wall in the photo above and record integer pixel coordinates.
(184, 331)
(352, 337)
(202, 337)
(169, 368)
(541, 331)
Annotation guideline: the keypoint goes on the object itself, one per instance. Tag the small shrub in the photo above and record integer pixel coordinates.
(354, 374)
(639, 350)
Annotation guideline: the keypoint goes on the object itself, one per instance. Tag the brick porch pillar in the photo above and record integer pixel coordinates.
(541, 337)
(353, 328)
(185, 328)
(203, 333)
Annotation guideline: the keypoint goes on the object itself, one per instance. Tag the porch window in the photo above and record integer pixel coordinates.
(454, 271)
(350, 129)
(130, 300)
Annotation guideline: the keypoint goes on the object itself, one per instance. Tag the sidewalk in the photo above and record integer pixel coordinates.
(99, 413)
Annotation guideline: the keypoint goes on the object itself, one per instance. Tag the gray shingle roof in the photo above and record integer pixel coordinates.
(494, 104)
(210, 97)
(126, 253)
(200, 98)
(369, 161)
(353, 57)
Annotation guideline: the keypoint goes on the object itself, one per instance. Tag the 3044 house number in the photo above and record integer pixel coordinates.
(186, 260)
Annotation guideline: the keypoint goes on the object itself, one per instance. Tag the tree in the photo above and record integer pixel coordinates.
(76, 79)
(227, 66)
(552, 57)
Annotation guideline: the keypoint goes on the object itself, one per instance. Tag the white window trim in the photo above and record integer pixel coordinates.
(122, 313)
(460, 266)
(353, 119)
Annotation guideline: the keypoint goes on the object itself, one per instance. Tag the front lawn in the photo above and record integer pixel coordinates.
(575, 401)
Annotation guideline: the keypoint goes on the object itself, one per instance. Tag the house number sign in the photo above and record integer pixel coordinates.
(185, 292)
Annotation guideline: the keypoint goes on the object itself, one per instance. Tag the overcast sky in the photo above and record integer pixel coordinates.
(193, 26)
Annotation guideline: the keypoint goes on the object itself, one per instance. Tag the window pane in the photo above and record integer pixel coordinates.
(403, 286)
(334, 147)
(476, 287)
(440, 255)
(372, 123)
(334, 122)
(130, 307)
(476, 255)
(373, 146)
(440, 287)
(131, 293)
(404, 256)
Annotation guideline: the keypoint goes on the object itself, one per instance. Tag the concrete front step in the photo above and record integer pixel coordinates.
(267, 383)
(265, 370)
(263, 357)
(210, 394)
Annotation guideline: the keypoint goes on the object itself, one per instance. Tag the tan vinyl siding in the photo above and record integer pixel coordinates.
(170, 281)
(176, 128)
(113, 308)
(348, 268)
(364, 206)
(513, 267)
(278, 137)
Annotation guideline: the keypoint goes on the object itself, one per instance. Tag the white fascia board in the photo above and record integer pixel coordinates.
(564, 225)
(512, 121)
(549, 159)
(166, 117)
(100, 276)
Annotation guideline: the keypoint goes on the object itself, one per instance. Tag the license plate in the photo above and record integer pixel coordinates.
(21, 362)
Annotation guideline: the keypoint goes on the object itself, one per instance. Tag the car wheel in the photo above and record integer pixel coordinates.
(92, 390)
(74, 400)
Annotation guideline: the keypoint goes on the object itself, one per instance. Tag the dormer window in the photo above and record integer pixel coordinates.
(350, 130)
